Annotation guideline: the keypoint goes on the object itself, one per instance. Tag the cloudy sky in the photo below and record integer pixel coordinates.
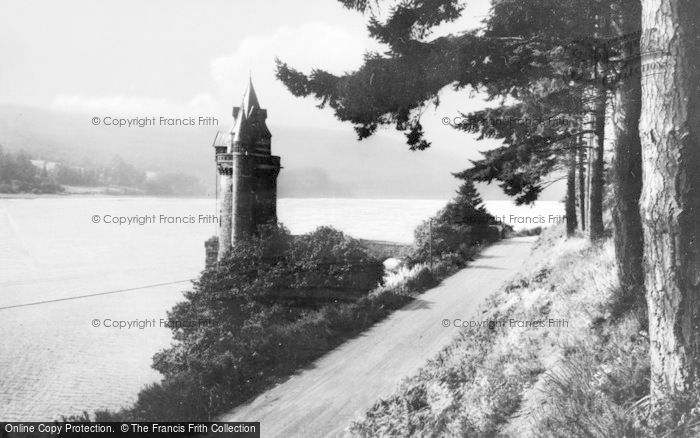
(185, 56)
(190, 58)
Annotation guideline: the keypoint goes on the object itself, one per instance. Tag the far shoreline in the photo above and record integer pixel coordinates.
(103, 194)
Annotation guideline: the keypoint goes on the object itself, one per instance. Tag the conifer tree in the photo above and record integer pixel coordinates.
(565, 47)
(670, 134)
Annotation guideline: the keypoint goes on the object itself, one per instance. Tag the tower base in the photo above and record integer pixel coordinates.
(211, 251)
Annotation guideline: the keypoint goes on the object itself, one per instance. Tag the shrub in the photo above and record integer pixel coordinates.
(304, 271)
(456, 229)
(536, 231)
(423, 280)
(48, 186)
(262, 312)
(327, 258)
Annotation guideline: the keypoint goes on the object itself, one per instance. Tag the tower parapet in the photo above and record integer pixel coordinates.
(247, 174)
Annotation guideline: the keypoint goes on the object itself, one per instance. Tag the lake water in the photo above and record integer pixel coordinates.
(53, 361)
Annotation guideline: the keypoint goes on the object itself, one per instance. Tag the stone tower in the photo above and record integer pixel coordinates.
(247, 174)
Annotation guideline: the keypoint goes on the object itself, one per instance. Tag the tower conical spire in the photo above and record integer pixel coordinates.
(250, 99)
(249, 118)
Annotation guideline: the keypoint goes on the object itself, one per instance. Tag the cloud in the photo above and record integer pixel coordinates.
(307, 46)
(200, 104)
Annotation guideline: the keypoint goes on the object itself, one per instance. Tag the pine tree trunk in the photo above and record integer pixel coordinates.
(571, 222)
(595, 220)
(582, 182)
(626, 164)
(670, 203)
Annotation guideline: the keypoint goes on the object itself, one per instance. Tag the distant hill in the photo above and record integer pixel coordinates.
(316, 162)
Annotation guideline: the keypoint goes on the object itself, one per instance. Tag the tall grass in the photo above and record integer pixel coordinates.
(589, 379)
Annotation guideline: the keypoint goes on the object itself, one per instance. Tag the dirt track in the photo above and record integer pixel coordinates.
(324, 399)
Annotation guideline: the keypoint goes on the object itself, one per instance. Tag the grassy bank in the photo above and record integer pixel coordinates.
(586, 379)
(212, 369)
